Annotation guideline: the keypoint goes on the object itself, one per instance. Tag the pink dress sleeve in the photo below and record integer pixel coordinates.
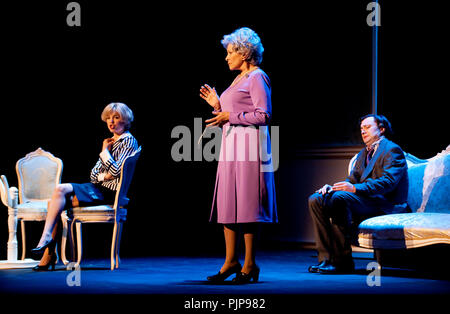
(259, 89)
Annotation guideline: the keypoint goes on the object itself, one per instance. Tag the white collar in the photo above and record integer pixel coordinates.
(123, 135)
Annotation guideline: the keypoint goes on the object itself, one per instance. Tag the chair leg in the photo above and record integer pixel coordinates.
(119, 236)
(72, 239)
(24, 247)
(65, 231)
(113, 246)
(378, 256)
(12, 234)
(79, 244)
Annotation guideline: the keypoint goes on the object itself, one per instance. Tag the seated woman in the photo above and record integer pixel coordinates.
(103, 185)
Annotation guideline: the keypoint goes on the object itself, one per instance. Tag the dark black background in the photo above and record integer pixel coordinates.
(57, 79)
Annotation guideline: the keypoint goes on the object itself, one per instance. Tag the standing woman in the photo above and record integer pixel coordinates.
(244, 194)
(104, 180)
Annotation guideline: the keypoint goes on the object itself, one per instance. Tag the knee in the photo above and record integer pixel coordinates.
(61, 190)
(339, 197)
(342, 204)
(315, 201)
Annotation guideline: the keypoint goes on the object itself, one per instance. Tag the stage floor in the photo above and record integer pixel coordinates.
(184, 278)
(178, 283)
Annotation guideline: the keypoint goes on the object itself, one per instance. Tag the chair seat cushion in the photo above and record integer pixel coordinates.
(32, 210)
(409, 230)
(100, 213)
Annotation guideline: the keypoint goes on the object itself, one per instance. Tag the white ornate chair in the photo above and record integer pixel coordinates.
(115, 214)
(9, 199)
(38, 173)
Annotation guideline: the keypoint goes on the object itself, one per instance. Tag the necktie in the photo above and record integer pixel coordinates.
(369, 155)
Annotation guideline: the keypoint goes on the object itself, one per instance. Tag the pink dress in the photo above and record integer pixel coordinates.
(245, 188)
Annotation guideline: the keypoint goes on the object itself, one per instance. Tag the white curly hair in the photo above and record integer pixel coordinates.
(246, 42)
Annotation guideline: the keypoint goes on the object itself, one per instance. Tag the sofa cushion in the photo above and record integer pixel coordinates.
(397, 231)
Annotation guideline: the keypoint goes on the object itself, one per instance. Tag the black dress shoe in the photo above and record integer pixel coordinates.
(341, 268)
(46, 267)
(243, 278)
(39, 251)
(315, 268)
(220, 277)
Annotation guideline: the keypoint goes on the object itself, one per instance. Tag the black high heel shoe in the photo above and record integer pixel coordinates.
(39, 251)
(243, 278)
(46, 267)
(220, 277)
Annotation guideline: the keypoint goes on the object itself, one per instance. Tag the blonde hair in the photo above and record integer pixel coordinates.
(125, 113)
(246, 42)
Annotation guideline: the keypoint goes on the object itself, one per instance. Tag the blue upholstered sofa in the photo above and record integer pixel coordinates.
(429, 200)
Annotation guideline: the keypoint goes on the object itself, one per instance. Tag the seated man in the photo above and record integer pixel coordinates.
(377, 185)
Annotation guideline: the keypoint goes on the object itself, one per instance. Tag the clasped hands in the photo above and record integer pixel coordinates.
(209, 94)
(338, 186)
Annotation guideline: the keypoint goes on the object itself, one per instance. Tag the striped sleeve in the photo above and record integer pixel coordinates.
(96, 171)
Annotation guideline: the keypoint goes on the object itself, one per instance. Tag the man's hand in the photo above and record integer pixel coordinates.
(344, 186)
(325, 189)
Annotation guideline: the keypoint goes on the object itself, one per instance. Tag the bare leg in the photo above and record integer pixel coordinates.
(47, 255)
(250, 237)
(55, 207)
(230, 246)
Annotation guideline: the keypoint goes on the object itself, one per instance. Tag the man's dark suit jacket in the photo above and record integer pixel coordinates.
(385, 178)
